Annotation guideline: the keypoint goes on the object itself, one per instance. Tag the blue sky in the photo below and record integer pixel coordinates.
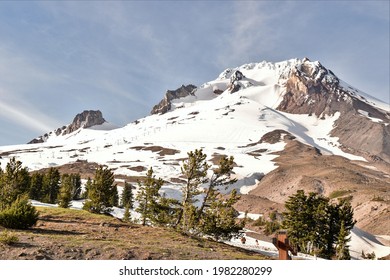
(58, 58)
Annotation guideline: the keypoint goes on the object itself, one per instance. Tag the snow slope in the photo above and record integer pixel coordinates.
(234, 122)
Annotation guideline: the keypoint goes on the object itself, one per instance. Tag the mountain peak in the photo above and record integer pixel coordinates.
(165, 105)
(86, 119)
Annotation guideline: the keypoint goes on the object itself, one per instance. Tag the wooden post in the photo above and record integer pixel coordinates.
(281, 242)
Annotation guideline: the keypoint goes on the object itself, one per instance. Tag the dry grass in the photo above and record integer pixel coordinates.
(77, 234)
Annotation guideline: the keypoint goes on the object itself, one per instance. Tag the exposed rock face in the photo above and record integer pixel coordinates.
(313, 89)
(85, 119)
(165, 104)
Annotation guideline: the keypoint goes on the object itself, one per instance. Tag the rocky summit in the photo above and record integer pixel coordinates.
(165, 104)
(86, 119)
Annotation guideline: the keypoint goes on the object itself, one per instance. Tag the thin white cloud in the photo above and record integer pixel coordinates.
(27, 117)
(113, 88)
(253, 31)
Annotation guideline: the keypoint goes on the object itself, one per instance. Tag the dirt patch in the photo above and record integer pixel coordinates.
(257, 153)
(275, 136)
(157, 149)
(85, 168)
(138, 168)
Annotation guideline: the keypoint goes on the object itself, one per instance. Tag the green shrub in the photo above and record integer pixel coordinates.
(339, 193)
(378, 198)
(20, 215)
(259, 222)
(8, 238)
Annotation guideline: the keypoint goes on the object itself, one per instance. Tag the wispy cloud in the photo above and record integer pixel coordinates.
(27, 117)
(19, 76)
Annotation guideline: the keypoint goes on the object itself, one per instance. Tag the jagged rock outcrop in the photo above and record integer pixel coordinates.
(86, 119)
(313, 89)
(165, 104)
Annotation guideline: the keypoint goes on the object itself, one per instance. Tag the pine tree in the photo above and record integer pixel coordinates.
(194, 169)
(19, 215)
(114, 200)
(88, 186)
(127, 198)
(217, 217)
(221, 178)
(36, 186)
(313, 221)
(14, 181)
(66, 191)
(75, 180)
(342, 247)
(100, 192)
(167, 211)
(127, 214)
(219, 220)
(51, 185)
(298, 220)
(148, 197)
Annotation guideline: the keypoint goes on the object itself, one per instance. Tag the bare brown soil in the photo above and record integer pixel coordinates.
(84, 168)
(64, 234)
(157, 149)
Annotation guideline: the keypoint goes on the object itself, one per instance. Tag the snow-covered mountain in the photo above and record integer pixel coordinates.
(272, 117)
(87, 119)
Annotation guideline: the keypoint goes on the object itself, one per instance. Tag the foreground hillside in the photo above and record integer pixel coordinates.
(63, 234)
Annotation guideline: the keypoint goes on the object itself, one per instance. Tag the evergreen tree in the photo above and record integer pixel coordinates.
(19, 215)
(219, 219)
(114, 200)
(36, 186)
(127, 199)
(221, 178)
(194, 169)
(272, 225)
(167, 210)
(315, 223)
(14, 181)
(51, 185)
(100, 192)
(215, 216)
(88, 186)
(148, 197)
(66, 191)
(127, 214)
(342, 247)
(298, 220)
(75, 180)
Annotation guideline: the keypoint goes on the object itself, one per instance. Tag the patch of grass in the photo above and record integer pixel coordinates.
(81, 235)
(339, 193)
(259, 222)
(8, 238)
(378, 198)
